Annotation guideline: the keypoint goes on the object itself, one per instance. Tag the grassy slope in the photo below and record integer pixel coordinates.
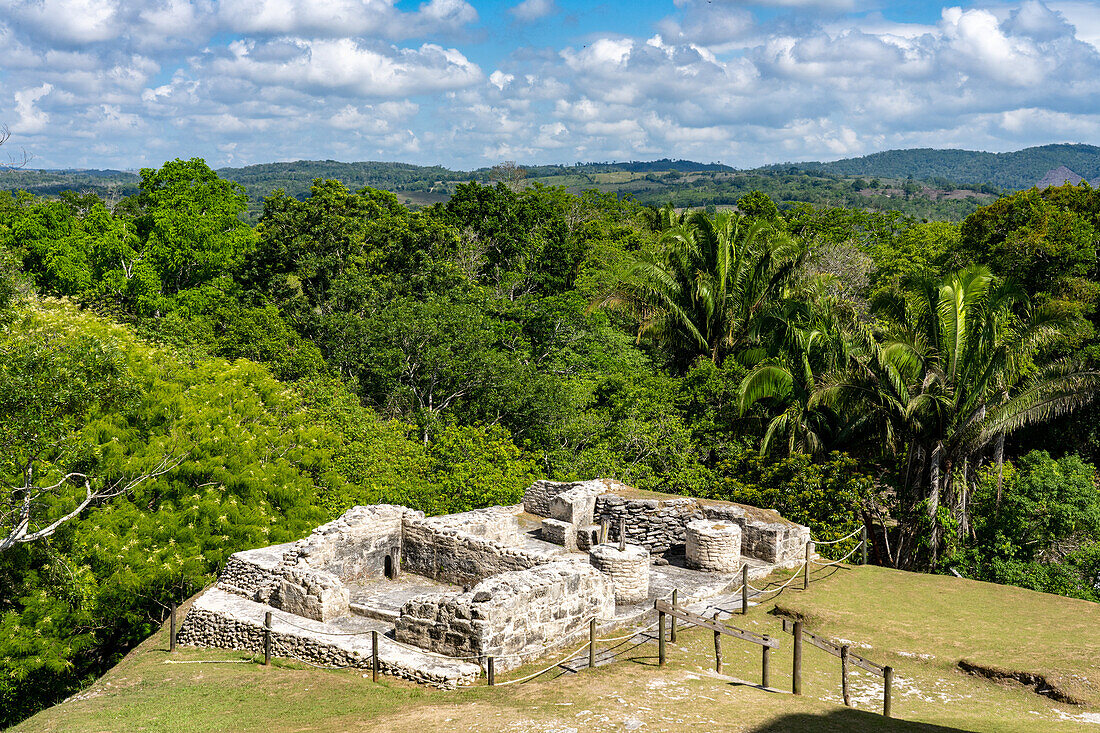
(896, 614)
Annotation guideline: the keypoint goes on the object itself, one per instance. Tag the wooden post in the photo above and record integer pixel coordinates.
(374, 663)
(592, 644)
(796, 669)
(622, 534)
(806, 567)
(845, 693)
(888, 681)
(172, 630)
(605, 530)
(267, 638)
(661, 638)
(863, 535)
(491, 672)
(744, 589)
(764, 671)
(672, 621)
(717, 648)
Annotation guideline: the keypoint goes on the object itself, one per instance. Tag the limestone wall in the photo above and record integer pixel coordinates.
(659, 524)
(226, 621)
(540, 495)
(453, 556)
(775, 542)
(354, 546)
(655, 524)
(254, 574)
(515, 616)
(496, 523)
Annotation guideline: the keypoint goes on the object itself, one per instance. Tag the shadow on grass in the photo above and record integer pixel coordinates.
(847, 720)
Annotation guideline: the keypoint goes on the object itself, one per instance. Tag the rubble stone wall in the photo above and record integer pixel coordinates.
(254, 574)
(454, 556)
(774, 542)
(224, 622)
(354, 546)
(514, 617)
(655, 524)
(496, 523)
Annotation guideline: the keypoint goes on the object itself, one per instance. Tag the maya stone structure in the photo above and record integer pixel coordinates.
(513, 583)
(713, 545)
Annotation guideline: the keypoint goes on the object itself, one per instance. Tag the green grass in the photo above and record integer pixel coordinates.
(895, 614)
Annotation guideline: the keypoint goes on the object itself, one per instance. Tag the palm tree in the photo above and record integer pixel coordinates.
(812, 339)
(707, 289)
(957, 369)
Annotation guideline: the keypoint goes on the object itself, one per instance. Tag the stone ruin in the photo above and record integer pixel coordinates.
(514, 583)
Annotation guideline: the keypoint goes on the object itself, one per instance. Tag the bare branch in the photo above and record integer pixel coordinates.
(14, 163)
(26, 497)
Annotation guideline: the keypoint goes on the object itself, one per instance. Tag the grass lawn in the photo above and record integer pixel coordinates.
(921, 625)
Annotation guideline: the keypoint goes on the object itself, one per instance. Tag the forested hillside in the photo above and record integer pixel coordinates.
(679, 183)
(928, 380)
(1013, 171)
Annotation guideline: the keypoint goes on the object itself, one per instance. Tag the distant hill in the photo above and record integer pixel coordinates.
(1017, 170)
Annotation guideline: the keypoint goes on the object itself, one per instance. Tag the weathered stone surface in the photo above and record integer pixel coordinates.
(513, 617)
(628, 570)
(657, 525)
(495, 523)
(560, 533)
(773, 542)
(313, 594)
(575, 505)
(254, 574)
(713, 545)
(227, 621)
(440, 552)
(355, 545)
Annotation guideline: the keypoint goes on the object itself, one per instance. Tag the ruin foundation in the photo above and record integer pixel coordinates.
(512, 583)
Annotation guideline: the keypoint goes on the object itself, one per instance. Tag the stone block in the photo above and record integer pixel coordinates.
(560, 533)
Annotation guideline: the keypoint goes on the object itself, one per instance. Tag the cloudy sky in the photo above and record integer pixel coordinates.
(466, 83)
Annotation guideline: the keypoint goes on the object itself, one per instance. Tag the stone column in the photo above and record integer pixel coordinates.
(713, 545)
(628, 570)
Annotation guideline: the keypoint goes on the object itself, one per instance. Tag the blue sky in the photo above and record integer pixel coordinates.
(467, 83)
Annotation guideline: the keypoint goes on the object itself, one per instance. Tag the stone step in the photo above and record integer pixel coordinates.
(380, 614)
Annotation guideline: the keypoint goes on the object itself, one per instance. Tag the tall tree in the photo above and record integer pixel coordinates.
(959, 367)
(709, 286)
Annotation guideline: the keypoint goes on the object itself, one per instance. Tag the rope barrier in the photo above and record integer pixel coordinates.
(834, 562)
(789, 581)
(324, 633)
(833, 542)
(547, 669)
(630, 636)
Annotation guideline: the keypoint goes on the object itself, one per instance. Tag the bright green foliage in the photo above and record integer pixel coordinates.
(78, 600)
(960, 367)
(758, 205)
(707, 289)
(918, 251)
(824, 495)
(1045, 534)
(86, 254)
(1043, 240)
(191, 232)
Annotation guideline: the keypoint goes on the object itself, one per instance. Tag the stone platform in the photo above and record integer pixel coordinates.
(512, 583)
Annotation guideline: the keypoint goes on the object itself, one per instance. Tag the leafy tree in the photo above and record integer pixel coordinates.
(960, 367)
(708, 290)
(190, 230)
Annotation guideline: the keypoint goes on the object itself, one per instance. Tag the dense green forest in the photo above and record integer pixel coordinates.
(1012, 171)
(244, 382)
